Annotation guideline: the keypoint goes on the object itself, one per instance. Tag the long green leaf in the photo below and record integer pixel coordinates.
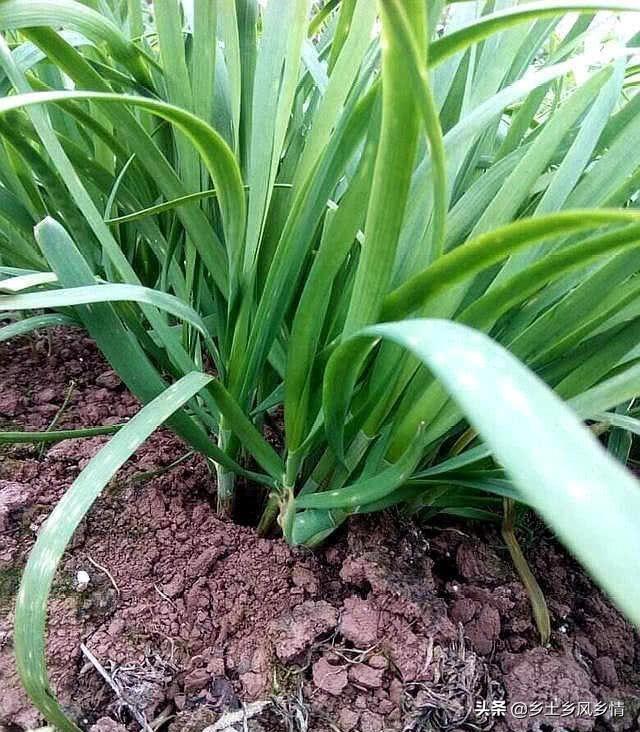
(583, 494)
(367, 490)
(56, 533)
(36, 438)
(214, 151)
(28, 325)
(489, 248)
(502, 20)
(102, 293)
(275, 80)
(16, 14)
(392, 173)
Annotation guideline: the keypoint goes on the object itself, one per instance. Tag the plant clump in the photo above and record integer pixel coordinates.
(403, 233)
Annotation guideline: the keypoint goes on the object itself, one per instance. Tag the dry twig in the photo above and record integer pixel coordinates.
(104, 570)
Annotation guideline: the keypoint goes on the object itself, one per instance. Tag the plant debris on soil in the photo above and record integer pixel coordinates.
(188, 622)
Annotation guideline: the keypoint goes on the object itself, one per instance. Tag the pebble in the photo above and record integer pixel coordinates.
(331, 679)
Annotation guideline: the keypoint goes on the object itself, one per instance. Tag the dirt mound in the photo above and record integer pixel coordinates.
(389, 627)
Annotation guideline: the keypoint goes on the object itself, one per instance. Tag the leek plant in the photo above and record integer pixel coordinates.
(410, 226)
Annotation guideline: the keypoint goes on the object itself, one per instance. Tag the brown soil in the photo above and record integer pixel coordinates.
(388, 627)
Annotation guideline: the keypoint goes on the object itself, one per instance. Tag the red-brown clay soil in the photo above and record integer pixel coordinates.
(391, 626)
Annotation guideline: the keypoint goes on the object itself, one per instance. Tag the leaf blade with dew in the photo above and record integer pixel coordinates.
(31, 603)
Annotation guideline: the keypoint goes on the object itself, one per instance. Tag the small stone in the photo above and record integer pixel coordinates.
(254, 684)
(370, 678)
(295, 633)
(9, 404)
(13, 498)
(108, 380)
(359, 622)
(175, 587)
(371, 722)
(385, 706)
(396, 691)
(517, 643)
(82, 580)
(463, 610)
(223, 694)
(331, 679)
(197, 679)
(215, 666)
(202, 564)
(194, 719)
(116, 627)
(333, 555)
(347, 719)
(605, 671)
(586, 646)
(484, 630)
(379, 661)
(305, 579)
(106, 724)
(261, 660)
(44, 396)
